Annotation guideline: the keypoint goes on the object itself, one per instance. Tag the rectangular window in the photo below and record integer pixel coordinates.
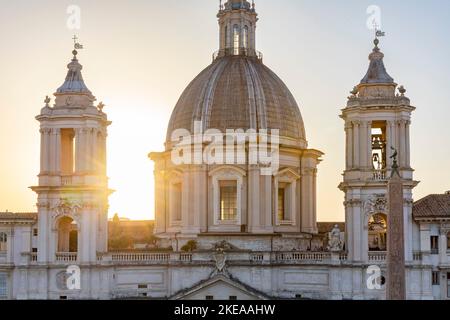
(35, 232)
(281, 204)
(34, 250)
(434, 244)
(3, 286)
(233, 298)
(142, 286)
(228, 200)
(436, 278)
(209, 297)
(448, 242)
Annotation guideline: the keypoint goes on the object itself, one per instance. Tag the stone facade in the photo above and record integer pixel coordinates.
(261, 252)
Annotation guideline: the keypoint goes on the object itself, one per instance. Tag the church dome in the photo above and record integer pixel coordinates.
(239, 92)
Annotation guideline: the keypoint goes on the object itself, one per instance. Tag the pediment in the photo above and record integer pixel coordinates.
(220, 287)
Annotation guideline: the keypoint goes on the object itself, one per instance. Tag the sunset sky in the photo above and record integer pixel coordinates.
(140, 55)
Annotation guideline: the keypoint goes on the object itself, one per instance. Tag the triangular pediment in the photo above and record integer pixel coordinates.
(220, 287)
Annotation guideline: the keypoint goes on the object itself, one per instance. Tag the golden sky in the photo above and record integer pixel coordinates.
(140, 55)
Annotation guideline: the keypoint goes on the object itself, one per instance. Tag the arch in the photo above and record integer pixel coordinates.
(3, 242)
(377, 232)
(67, 234)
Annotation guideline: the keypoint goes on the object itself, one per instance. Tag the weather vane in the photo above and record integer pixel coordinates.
(76, 44)
(378, 32)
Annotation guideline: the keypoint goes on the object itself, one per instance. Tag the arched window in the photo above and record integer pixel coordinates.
(3, 241)
(236, 39)
(245, 37)
(67, 235)
(378, 232)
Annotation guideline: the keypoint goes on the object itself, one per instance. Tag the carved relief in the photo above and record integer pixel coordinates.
(67, 207)
(376, 204)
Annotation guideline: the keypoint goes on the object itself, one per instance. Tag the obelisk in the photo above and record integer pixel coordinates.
(396, 288)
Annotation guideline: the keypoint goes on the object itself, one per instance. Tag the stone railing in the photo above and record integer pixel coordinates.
(257, 257)
(33, 257)
(303, 256)
(66, 256)
(377, 256)
(186, 257)
(238, 52)
(379, 175)
(66, 180)
(140, 257)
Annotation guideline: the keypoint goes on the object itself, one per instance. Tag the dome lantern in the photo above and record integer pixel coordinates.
(237, 21)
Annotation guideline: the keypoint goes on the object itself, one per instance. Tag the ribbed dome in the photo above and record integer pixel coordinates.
(239, 92)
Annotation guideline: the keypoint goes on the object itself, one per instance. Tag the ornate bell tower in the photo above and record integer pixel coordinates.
(377, 124)
(73, 186)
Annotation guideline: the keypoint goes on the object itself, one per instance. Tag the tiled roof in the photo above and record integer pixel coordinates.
(432, 206)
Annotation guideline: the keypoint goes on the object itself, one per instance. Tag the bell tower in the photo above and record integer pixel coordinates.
(73, 187)
(377, 125)
(237, 21)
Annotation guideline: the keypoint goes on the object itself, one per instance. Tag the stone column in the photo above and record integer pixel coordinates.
(254, 199)
(402, 138)
(408, 146)
(46, 151)
(389, 143)
(88, 150)
(307, 201)
(443, 246)
(369, 146)
(44, 232)
(363, 144)
(94, 153)
(42, 151)
(396, 275)
(160, 200)
(356, 144)
(78, 150)
(349, 146)
(266, 203)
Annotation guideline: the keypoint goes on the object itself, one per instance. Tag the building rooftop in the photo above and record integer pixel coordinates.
(432, 206)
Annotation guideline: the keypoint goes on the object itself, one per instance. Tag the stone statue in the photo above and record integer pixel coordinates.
(334, 241)
(394, 163)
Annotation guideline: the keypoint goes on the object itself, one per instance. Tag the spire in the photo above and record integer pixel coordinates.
(377, 71)
(74, 82)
